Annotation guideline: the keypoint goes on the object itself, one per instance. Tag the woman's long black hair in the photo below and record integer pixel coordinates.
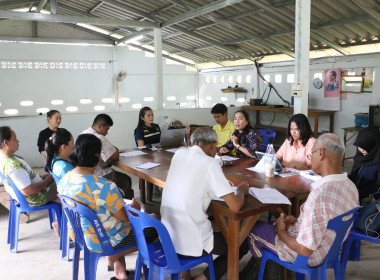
(52, 145)
(140, 123)
(303, 126)
(246, 116)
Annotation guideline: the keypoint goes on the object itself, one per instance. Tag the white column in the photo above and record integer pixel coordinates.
(302, 48)
(158, 67)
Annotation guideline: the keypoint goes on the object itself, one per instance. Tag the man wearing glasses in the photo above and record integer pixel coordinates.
(334, 194)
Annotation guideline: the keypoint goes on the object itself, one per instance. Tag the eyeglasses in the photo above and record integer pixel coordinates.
(312, 152)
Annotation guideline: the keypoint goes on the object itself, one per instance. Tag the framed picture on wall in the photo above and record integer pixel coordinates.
(333, 82)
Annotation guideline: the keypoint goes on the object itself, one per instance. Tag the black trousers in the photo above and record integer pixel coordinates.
(123, 183)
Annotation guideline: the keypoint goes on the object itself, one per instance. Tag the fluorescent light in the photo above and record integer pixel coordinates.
(136, 106)
(71, 109)
(85, 101)
(99, 108)
(11, 112)
(209, 98)
(26, 103)
(124, 100)
(223, 98)
(190, 97)
(107, 100)
(171, 98)
(56, 102)
(241, 100)
(182, 104)
(42, 110)
(148, 99)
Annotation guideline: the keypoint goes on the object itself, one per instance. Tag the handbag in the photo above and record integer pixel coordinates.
(369, 217)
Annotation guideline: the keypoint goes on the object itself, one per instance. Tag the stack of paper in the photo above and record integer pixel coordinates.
(132, 154)
(269, 196)
(147, 165)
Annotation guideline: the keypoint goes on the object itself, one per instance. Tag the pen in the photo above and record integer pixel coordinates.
(311, 173)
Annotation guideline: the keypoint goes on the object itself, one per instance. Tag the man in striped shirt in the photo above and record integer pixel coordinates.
(334, 194)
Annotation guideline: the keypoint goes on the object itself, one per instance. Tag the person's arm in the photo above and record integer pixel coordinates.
(280, 153)
(140, 143)
(37, 187)
(121, 215)
(290, 241)
(250, 145)
(236, 202)
(115, 155)
(226, 147)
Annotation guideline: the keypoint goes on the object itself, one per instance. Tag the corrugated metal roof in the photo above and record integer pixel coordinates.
(238, 32)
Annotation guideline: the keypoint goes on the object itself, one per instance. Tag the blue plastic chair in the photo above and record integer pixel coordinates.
(74, 211)
(340, 225)
(351, 247)
(18, 206)
(160, 257)
(64, 243)
(268, 135)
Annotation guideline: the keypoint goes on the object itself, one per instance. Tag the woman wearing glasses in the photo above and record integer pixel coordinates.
(297, 146)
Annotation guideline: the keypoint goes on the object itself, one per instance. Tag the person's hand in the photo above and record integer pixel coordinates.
(223, 150)
(280, 224)
(244, 188)
(235, 140)
(49, 179)
(135, 204)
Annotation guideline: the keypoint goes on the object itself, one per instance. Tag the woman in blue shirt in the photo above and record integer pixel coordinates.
(58, 149)
(366, 170)
(146, 131)
(244, 139)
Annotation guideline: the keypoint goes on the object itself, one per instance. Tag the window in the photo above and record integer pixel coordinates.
(148, 99)
(85, 101)
(171, 98)
(71, 109)
(221, 79)
(267, 78)
(56, 102)
(99, 108)
(248, 79)
(238, 79)
(124, 100)
(26, 103)
(230, 79)
(107, 100)
(278, 78)
(290, 78)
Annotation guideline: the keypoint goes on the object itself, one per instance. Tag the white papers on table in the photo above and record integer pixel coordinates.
(259, 167)
(147, 165)
(132, 154)
(221, 199)
(228, 158)
(269, 196)
(310, 175)
(285, 173)
(175, 149)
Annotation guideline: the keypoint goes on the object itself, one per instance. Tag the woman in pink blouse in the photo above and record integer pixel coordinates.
(293, 152)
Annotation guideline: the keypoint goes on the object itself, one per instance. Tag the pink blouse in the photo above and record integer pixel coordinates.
(295, 156)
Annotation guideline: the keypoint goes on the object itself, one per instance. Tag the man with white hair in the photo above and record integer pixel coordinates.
(194, 178)
(333, 195)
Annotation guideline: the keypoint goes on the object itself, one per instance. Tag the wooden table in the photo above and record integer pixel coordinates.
(234, 226)
(289, 110)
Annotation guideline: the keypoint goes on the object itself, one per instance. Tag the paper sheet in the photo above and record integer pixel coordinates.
(221, 199)
(147, 165)
(228, 158)
(269, 196)
(259, 167)
(175, 149)
(132, 154)
(310, 175)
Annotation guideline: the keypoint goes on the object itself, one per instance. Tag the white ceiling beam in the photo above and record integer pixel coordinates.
(75, 19)
(369, 8)
(55, 40)
(200, 11)
(41, 6)
(54, 7)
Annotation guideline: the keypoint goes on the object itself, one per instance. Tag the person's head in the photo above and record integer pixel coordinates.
(206, 138)
(86, 151)
(220, 113)
(368, 140)
(9, 142)
(60, 144)
(102, 124)
(332, 76)
(241, 121)
(146, 117)
(54, 119)
(299, 129)
(327, 153)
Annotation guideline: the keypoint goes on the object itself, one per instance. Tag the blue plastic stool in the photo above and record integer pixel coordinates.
(300, 266)
(64, 242)
(19, 206)
(351, 247)
(267, 134)
(74, 211)
(160, 257)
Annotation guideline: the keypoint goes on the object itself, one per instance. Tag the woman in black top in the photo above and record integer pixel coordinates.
(146, 131)
(54, 120)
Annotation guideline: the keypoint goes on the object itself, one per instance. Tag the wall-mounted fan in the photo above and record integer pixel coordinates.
(118, 79)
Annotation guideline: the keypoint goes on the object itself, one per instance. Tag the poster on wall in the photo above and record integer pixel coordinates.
(367, 74)
(332, 82)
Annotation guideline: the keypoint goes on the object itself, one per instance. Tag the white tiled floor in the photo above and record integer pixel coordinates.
(39, 257)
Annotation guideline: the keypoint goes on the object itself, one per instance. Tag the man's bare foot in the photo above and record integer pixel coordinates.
(200, 277)
(56, 228)
(119, 267)
(185, 275)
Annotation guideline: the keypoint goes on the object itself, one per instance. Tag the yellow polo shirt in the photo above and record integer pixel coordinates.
(224, 134)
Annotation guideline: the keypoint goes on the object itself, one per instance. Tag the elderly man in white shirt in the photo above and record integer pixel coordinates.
(194, 178)
(109, 155)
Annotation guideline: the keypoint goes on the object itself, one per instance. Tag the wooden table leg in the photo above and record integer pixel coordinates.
(149, 190)
(142, 190)
(233, 249)
(316, 123)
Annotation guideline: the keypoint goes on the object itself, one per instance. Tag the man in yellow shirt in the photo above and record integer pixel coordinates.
(224, 127)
